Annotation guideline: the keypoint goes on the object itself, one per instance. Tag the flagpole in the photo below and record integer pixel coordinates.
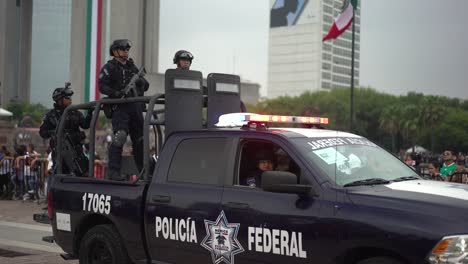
(351, 120)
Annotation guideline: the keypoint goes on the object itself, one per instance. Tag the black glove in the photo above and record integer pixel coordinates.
(117, 94)
(82, 135)
(139, 82)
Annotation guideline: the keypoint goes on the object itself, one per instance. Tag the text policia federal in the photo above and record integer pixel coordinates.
(264, 240)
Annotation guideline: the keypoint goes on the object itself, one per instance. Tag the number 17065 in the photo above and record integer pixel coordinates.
(97, 203)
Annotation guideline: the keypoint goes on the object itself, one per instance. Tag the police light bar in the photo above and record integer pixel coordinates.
(240, 119)
(287, 119)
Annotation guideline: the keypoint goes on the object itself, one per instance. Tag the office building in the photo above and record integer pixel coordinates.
(298, 59)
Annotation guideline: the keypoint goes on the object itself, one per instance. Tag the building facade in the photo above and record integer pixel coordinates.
(298, 59)
(50, 51)
(44, 44)
(15, 50)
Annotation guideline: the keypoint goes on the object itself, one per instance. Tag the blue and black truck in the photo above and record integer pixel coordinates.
(323, 196)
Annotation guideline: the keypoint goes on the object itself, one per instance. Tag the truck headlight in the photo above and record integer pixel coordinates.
(451, 249)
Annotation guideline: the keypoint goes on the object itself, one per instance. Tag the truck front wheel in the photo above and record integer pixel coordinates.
(102, 245)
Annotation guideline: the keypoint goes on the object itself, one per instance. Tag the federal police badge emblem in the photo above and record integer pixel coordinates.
(221, 240)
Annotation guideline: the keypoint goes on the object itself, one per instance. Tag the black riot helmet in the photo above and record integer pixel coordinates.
(62, 92)
(182, 54)
(122, 44)
(264, 154)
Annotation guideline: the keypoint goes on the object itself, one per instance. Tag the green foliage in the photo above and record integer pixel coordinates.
(395, 122)
(28, 115)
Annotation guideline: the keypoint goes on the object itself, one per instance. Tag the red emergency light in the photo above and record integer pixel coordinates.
(286, 119)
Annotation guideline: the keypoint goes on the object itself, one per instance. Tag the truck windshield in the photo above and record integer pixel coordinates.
(348, 160)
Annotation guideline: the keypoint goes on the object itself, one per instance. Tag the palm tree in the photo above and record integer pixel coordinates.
(390, 121)
(431, 113)
(410, 122)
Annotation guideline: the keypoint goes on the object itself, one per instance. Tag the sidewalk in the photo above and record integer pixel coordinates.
(22, 212)
(33, 257)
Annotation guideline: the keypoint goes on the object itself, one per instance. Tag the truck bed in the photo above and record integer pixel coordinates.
(80, 203)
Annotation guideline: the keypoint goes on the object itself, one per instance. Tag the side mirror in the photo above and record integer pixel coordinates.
(283, 182)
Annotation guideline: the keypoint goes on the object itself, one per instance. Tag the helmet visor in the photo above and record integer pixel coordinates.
(123, 44)
(67, 92)
(186, 56)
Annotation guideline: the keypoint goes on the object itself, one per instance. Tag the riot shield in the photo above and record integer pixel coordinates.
(223, 96)
(183, 100)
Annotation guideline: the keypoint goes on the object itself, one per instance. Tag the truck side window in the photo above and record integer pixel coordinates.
(258, 156)
(200, 161)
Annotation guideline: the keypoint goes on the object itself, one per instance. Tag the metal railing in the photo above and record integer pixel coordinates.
(25, 178)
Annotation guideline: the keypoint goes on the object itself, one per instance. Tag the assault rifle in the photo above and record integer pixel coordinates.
(76, 162)
(130, 90)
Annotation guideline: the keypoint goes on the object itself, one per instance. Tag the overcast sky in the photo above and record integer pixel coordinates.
(406, 45)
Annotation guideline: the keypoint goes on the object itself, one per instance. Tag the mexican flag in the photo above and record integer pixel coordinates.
(93, 49)
(343, 21)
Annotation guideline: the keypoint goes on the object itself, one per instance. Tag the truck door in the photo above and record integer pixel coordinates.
(273, 227)
(186, 190)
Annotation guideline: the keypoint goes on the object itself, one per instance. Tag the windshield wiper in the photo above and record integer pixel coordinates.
(372, 181)
(406, 178)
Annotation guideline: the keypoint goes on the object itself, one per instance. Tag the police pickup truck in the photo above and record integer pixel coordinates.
(233, 188)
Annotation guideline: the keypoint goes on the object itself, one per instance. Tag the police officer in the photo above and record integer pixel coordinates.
(183, 59)
(264, 162)
(126, 118)
(74, 161)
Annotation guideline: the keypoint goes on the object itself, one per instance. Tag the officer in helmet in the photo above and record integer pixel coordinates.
(127, 119)
(183, 59)
(264, 162)
(73, 122)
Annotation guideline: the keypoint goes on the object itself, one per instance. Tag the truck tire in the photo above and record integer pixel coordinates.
(379, 260)
(102, 245)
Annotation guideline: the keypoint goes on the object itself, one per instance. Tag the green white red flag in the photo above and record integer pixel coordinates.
(93, 49)
(343, 21)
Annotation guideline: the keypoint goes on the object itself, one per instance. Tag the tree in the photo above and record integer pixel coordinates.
(408, 117)
(410, 123)
(27, 114)
(432, 113)
(391, 122)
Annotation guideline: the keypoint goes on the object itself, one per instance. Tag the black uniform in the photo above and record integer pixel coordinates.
(74, 121)
(126, 118)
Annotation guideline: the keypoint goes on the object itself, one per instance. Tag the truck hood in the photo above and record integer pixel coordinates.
(433, 201)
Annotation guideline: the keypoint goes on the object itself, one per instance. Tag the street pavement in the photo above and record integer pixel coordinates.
(21, 237)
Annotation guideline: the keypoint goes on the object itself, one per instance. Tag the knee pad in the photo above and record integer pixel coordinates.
(119, 139)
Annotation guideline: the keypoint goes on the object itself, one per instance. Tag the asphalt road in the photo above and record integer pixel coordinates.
(21, 238)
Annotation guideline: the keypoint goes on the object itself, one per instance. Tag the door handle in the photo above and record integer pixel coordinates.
(237, 205)
(161, 198)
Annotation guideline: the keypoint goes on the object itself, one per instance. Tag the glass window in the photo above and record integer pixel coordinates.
(187, 84)
(326, 56)
(200, 161)
(259, 156)
(326, 85)
(327, 9)
(349, 159)
(328, 19)
(326, 66)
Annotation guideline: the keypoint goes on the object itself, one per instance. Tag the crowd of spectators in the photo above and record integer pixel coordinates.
(447, 166)
(23, 172)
